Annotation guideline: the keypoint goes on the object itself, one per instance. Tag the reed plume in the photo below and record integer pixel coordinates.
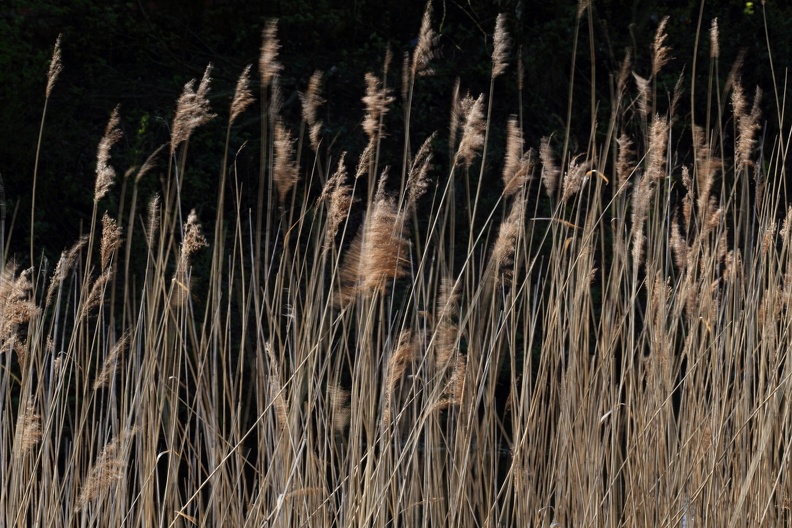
(517, 166)
(105, 174)
(111, 239)
(400, 359)
(550, 171)
(269, 66)
(337, 194)
(286, 172)
(660, 51)
(377, 100)
(192, 110)
(110, 365)
(63, 267)
(28, 432)
(427, 48)
(55, 67)
(311, 101)
(243, 97)
(472, 112)
(108, 470)
(501, 45)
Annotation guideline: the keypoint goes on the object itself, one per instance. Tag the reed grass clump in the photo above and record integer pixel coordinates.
(609, 346)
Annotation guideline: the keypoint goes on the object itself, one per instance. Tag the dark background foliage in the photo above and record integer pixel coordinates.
(140, 53)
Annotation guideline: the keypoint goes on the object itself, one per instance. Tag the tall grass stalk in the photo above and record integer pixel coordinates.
(608, 347)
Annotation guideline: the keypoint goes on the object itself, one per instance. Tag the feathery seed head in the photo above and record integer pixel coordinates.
(502, 43)
(64, 265)
(508, 233)
(285, 172)
(149, 164)
(153, 220)
(376, 100)
(714, 39)
(426, 49)
(574, 177)
(338, 196)
(105, 174)
(456, 117)
(550, 170)
(243, 97)
(625, 164)
(643, 94)
(472, 111)
(659, 51)
(268, 60)
(108, 469)
(28, 431)
(419, 171)
(192, 110)
(111, 239)
(55, 67)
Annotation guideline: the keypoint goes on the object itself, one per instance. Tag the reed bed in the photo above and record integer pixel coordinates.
(603, 343)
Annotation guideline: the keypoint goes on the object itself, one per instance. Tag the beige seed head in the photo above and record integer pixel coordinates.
(243, 97)
(501, 45)
(55, 67)
(269, 66)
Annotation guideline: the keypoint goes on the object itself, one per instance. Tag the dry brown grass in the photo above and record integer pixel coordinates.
(615, 355)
